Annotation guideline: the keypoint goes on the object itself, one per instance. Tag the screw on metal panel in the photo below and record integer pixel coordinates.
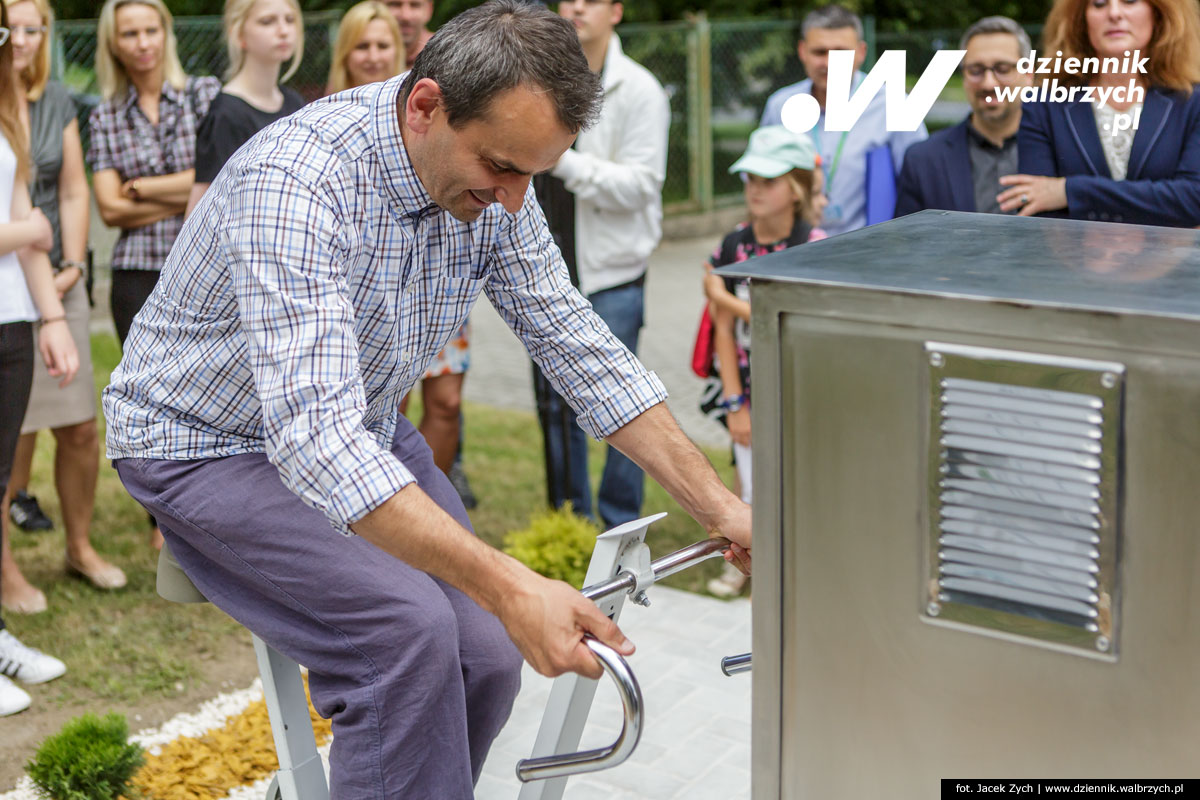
(1102, 644)
(936, 359)
(641, 599)
(933, 609)
(1108, 380)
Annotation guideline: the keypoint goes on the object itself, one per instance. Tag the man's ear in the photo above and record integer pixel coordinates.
(618, 11)
(423, 103)
(860, 54)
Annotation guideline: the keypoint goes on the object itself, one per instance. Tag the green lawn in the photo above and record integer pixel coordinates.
(124, 645)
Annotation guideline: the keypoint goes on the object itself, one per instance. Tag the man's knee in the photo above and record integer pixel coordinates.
(499, 675)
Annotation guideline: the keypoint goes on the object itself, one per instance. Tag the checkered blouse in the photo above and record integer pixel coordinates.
(123, 139)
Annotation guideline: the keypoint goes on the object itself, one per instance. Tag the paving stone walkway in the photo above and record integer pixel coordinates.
(696, 740)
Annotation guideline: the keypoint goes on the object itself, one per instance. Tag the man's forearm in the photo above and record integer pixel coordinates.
(655, 442)
(411, 527)
(546, 619)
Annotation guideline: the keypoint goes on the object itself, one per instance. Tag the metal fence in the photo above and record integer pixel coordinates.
(717, 74)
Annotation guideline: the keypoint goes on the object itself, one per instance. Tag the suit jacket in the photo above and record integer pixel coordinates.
(1162, 186)
(937, 174)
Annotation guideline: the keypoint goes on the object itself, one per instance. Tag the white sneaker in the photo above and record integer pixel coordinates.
(12, 697)
(729, 584)
(25, 663)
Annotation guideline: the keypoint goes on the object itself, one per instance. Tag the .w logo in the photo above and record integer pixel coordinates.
(904, 112)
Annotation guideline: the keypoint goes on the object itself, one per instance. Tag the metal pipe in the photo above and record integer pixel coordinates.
(557, 766)
(667, 565)
(732, 665)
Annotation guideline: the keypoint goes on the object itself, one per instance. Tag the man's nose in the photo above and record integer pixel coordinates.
(511, 193)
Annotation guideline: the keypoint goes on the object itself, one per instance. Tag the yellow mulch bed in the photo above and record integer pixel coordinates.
(208, 767)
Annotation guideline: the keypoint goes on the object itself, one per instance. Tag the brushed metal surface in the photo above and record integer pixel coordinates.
(857, 693)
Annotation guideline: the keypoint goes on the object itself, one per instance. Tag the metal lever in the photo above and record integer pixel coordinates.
(556, 766)
(732, 665)
(667, 565)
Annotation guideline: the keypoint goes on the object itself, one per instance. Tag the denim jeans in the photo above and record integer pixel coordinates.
(622, 485)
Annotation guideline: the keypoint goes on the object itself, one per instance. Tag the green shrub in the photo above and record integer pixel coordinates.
(557, 544)
(89, 759)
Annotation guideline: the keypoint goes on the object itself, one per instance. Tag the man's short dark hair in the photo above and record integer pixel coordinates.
(998, 25)
(501, 45)
(831, 17)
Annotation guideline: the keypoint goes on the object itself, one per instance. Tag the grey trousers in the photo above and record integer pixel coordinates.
(417, 679)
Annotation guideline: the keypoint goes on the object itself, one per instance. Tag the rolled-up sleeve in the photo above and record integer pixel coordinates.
(603, 382)
(287, 250)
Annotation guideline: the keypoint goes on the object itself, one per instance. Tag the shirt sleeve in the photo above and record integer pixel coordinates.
(207, 89)
(602, 381)
(99, 154)
(60, 106)
(631, 176)
(209, 153)
(900, 141)
(287, 250)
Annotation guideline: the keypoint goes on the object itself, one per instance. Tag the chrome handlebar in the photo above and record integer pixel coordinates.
(667, 565)
(732, 665)
(556, 766)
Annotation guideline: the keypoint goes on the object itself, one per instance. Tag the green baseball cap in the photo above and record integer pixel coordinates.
(774, 150)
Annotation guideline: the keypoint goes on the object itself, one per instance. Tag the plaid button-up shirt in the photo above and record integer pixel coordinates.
(309, 290)
(123, 139)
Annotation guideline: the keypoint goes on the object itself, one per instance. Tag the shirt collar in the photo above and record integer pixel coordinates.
(168, 91)
(981, 140)
(610, 73)
(397, 179)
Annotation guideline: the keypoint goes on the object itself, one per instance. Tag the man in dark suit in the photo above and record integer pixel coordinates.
(959, 168)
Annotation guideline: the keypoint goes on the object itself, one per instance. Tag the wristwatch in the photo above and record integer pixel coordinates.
(733, 402)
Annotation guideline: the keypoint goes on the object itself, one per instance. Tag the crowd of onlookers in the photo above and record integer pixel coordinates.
(157, 140)
(160, 137)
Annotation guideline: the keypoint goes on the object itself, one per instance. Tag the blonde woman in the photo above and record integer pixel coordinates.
(60, 191)
(143, 147)
(368, 47)
(27, 295)
(262, 36)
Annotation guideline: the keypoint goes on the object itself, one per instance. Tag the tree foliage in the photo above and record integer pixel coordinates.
(891, 15)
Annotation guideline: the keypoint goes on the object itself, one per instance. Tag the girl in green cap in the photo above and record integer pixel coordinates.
(784, 201)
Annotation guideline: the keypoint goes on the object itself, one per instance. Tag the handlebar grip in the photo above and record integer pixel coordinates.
(556, 766)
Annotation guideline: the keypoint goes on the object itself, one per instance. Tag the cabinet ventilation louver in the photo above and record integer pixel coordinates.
(1024, 454)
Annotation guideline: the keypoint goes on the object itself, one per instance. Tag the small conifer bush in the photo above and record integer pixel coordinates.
(89, 759)
(557, 544)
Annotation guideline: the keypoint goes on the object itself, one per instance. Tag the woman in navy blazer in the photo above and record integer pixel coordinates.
(1071, 164)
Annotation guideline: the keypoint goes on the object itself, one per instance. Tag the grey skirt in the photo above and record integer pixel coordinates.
(50, 406)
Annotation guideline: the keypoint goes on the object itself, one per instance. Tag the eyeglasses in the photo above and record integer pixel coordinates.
(28, 31)
(587, 2)
(1001, 69)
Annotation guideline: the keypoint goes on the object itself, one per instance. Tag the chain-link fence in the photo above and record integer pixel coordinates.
(718, 76)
